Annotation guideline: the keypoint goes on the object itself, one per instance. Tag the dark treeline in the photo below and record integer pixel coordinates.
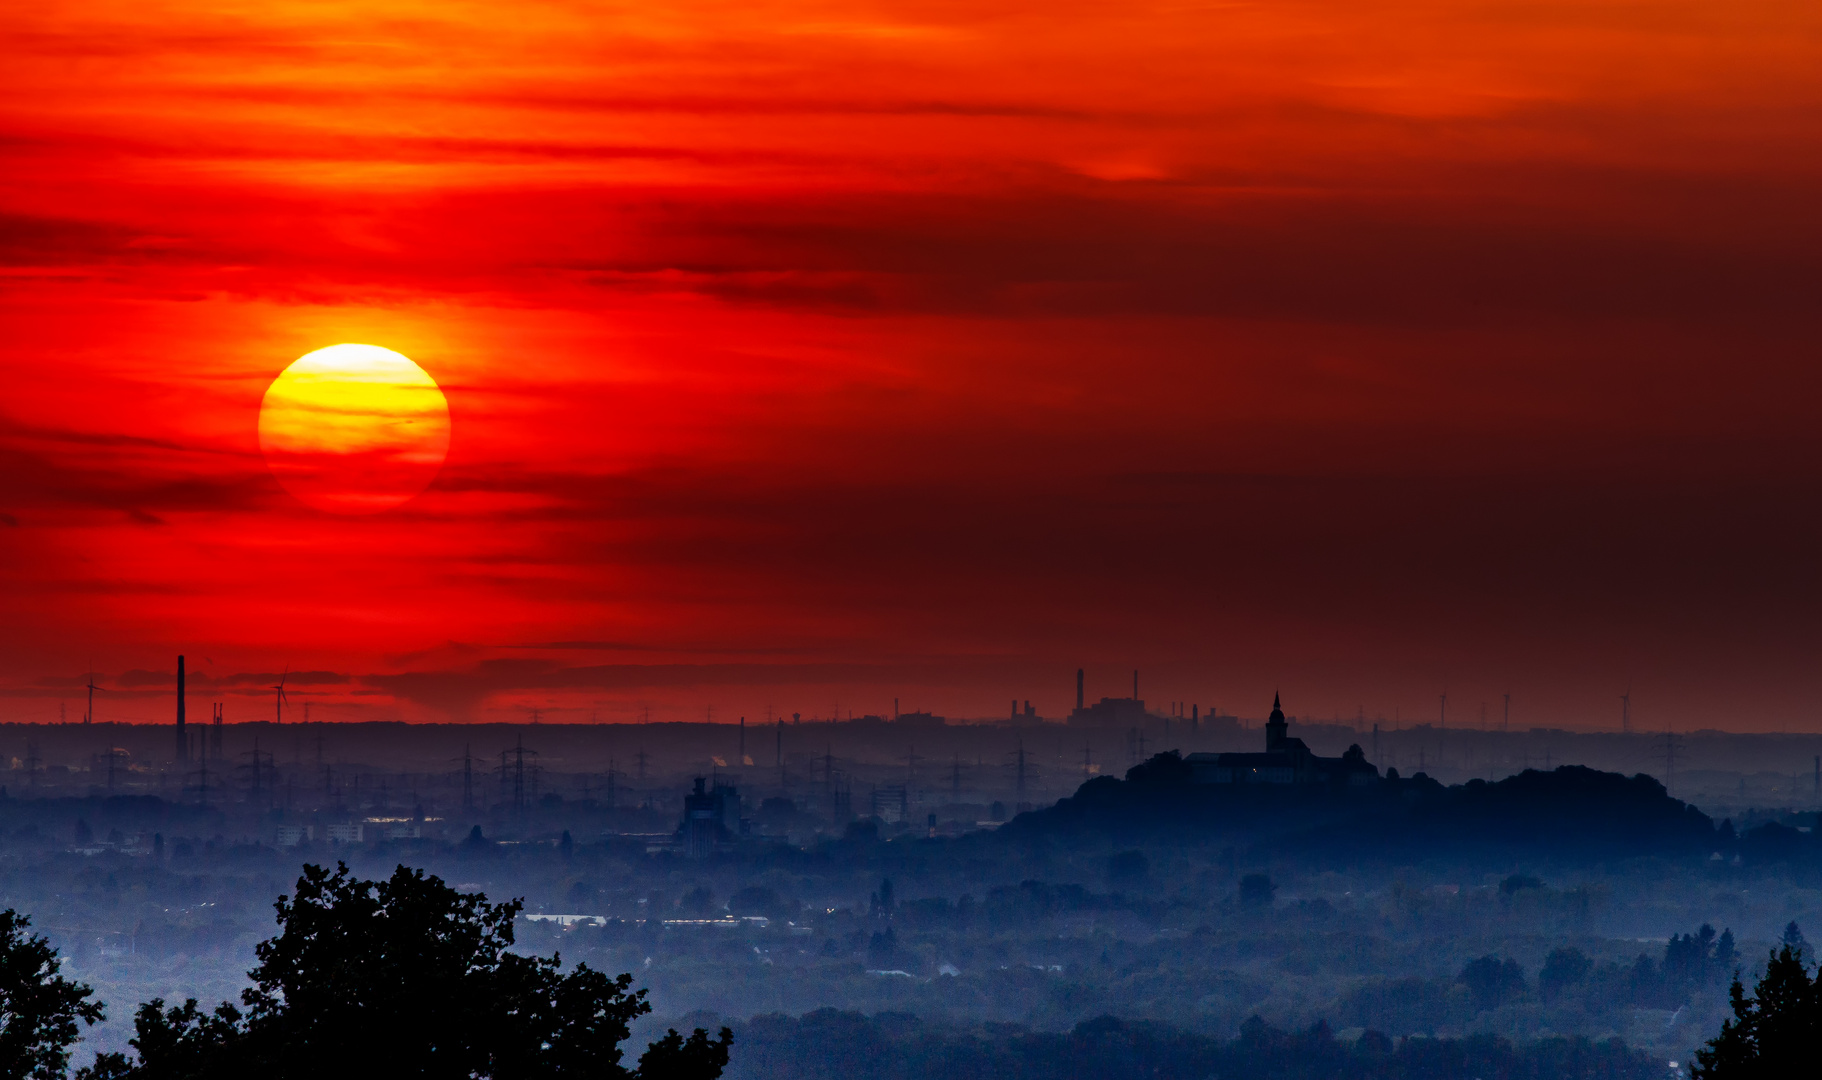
(834, 1045)
(1572, 813)
(403, 976)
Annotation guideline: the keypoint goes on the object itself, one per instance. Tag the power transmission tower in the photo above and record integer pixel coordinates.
(467, 760)
(1670, 749)
(518, 773)
(114, 755)
(202, 787)
(1021, 784)
(1022, 771)
(257, 763)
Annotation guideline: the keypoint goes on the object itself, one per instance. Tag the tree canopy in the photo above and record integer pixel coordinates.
(406, 977)
(39, 1009)
(1774, 1033)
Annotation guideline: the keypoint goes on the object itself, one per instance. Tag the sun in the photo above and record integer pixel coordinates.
(354, 429)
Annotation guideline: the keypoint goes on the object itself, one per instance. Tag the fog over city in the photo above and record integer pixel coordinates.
(859, 895)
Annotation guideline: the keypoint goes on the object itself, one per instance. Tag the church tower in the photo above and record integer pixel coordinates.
(1275, 728)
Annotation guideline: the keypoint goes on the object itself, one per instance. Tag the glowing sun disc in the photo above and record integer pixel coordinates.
(354, 429)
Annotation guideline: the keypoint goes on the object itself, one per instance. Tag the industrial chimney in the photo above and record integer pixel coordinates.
(183, 743)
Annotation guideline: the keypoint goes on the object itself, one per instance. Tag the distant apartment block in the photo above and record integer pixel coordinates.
(293, 835)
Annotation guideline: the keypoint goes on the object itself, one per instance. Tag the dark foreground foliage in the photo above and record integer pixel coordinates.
(833, 1045)
(405, 977)
(1775, 1032)
(39, 1009)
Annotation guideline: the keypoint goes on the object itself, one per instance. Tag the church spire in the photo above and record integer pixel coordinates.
(1276, 729)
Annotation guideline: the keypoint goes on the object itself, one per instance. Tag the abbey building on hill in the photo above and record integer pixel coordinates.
(1285, 761)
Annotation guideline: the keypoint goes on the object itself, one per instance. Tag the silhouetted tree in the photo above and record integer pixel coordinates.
(1256, 890)
(38, 1007)
(831, 1045)
(1492, 982)
(1162, 770)
(676, 1058)
(1772, 1034)
(882, 947)
(404, 977)
(1690, 958)
(1563, 968)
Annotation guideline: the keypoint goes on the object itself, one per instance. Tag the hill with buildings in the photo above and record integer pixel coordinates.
(1571, 812)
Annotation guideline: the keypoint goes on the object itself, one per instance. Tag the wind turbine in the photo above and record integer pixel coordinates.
(278, 694)
(89, 716)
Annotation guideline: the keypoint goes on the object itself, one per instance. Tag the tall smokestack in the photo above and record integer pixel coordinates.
(183, 744)
(1078, 689)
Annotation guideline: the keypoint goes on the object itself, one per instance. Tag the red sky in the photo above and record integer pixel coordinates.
(806, 354)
